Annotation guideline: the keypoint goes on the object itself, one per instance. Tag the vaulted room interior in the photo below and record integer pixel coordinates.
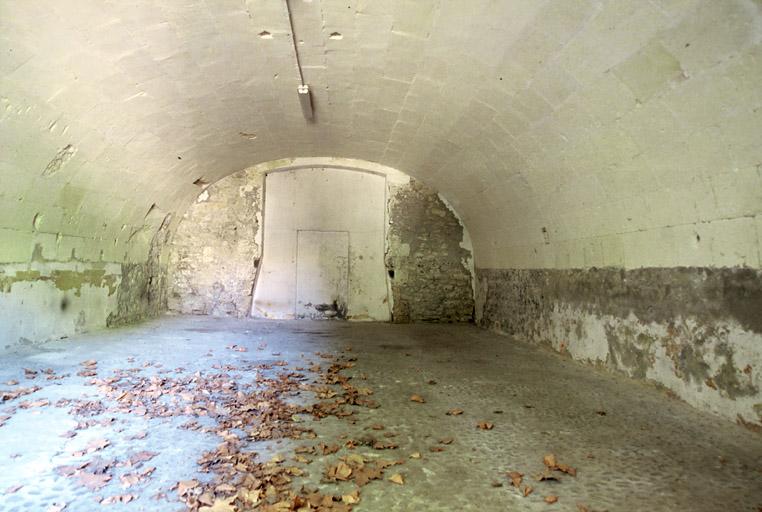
(398, 255)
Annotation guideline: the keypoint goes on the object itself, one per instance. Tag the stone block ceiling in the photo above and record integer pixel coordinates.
(570, 133)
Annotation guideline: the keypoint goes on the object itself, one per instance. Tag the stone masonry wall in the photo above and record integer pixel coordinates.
(142, 291)
(696, 331)
(427, 264)
(216, 250)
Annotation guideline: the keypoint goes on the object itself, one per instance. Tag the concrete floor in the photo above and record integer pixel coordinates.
(634, 447)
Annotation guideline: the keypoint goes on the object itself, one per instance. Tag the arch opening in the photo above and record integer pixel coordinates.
(377, 243)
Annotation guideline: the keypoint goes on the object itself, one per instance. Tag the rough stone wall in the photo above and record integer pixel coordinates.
(696, 331)
(142, 291)
(427, 264)
(215, 251)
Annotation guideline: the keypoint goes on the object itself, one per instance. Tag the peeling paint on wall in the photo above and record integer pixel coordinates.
(690, 330)
(58, 292)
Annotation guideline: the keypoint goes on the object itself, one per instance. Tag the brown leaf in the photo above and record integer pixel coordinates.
(186, 485)
(415, 455)
(121, 498)
(37, 403)
(352, 498)
(581, 507)
(397, 479)
(567, 469)
(206, 498)
(221, 505)
(418, 398)
(516, 478)
(341, 471)
(527, 490)
(366, 474)
(550, 461)
(485, 425)
(551, 499)
(436, 449)
(446, 440)
(96, 445)
(93, 481)
(547, 474)
(142, 456)
(455, 412)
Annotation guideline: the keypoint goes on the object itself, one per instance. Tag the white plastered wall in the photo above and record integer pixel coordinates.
(323, 199)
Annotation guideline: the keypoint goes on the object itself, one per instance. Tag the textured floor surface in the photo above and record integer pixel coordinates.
(633, 447)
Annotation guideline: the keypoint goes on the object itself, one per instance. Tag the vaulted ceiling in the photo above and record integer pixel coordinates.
(565, 132)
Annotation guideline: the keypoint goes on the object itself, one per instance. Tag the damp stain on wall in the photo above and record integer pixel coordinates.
(689, 329)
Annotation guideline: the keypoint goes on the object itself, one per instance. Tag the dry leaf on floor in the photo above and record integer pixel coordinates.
(397, 479)
(527, 490)
(436, 449)
(415, 455)
(455, 412)
(352, 498)
(485, 425)
(516, 478)
(565, 468)
(121, 498)
(186, 485)
(341, 471)
(581, 507)
(37, 403)
(552, 463)
(446, 440)
(93, 481)
(139, 457)
(221, 505)
(417, 398)
(546, 475)
(551, 499)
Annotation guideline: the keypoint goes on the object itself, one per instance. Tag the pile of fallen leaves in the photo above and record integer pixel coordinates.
(241, 481)
(244, 414)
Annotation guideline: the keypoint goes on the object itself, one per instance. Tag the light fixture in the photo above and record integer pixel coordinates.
(305, 100)
(303, 90)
